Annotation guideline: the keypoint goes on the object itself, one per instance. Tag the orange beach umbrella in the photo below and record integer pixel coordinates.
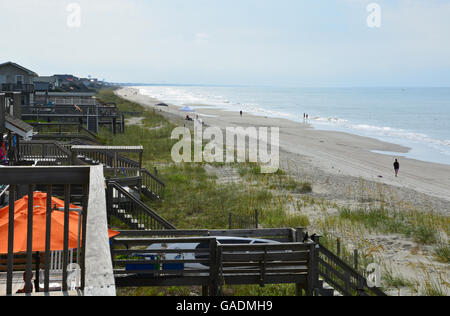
(39, 225)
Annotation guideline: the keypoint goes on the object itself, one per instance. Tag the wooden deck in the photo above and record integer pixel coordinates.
(95, 260)
(204, 262)
(198, 259)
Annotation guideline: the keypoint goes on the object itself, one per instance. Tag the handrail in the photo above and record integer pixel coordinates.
(24, 87)
(153, 183)
(149, 180)
(29, 178)
(67, 136)
(343, 277)
(145, 215)
(46, 150)
(82, 128)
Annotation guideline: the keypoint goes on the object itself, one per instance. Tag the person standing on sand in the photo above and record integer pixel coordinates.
(241, 113)
(396, 167)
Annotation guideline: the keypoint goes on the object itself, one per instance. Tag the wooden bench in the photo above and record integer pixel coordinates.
(20, 262)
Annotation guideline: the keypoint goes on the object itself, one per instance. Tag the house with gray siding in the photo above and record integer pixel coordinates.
(16, 78)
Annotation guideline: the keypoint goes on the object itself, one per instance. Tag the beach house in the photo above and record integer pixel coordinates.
(15, 78)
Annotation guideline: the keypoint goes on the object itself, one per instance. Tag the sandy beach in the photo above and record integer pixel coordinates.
(338, 158)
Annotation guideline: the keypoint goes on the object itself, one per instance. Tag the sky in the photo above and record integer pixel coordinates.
(305, 43)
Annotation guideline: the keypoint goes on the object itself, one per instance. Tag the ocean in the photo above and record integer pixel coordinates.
(418, 118)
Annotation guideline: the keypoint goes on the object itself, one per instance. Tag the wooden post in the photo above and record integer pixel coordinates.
(299, 234)
(355, 259)
(9, 276)
(115, 164)
(2, 113)
(37, 270)
(109, 201)
(311, 270)
(74, 158)
(67, 188)
(48, 238)
(214, 268)
(29, 264)
(299, 288)
(114, 122)
(230, 220)
(360, 289)
(338, 247)
(18, 105)
(140, 164)
(256, 219)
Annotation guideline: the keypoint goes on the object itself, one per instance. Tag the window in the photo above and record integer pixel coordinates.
(19, 79)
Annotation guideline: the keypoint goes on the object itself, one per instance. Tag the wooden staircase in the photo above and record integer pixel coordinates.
(130, 210)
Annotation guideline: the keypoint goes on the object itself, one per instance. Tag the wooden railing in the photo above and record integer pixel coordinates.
(150, 267)
(63, 137)
(76, 109)
(62, 128)
(110, 158)
(72, 101)
(46, 152)
(122, 204)
(26, 179)
(59, 127)
(122, 166)
(203, 261)
(287, 262)
(156, 188)
(343, 277)
(19, 87)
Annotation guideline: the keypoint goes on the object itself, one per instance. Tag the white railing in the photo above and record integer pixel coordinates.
(56, 260)
(73, 101)
(3, 191)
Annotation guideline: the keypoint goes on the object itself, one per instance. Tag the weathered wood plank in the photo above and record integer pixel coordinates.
(150, 241)
(45, 175)
(117, 252)
(163, 233)
(270, 256)
(262, 247)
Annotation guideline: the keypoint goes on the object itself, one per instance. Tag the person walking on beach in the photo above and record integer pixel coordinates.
(396, 167)
(241, 113)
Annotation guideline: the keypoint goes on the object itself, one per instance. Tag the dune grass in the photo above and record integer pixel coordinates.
(422, 227)
(442, 253)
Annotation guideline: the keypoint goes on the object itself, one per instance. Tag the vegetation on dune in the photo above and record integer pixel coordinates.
(198, 197)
